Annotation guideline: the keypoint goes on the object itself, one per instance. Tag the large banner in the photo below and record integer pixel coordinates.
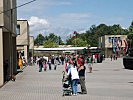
(117, 45)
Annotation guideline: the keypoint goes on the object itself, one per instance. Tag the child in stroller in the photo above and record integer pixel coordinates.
(66, 84)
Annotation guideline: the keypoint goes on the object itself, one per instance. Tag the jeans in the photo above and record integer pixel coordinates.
(62, 62)
(74, 86)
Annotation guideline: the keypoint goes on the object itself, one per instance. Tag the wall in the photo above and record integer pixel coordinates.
(1, 15)
(1, 58)
(10, 16)
(31, 47)
(109, 45)
(23, 38)
(31, 43)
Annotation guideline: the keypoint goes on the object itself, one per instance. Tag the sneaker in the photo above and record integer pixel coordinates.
(74, 94)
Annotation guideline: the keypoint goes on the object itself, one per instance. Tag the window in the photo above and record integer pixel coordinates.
(112, 39)
(109, 39)
(18, 29)
(119, 38)
(116, 39)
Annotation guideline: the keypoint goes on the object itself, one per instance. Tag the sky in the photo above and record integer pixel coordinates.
(62, 17)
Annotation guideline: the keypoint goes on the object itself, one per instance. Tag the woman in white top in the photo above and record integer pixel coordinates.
(74, 76)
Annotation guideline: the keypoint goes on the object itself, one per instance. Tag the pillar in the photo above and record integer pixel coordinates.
(26, 53)
(1, 59)
(106, 52)
(14, 56)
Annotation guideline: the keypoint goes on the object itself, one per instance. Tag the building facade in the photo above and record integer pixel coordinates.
(31, 47)
(113, 44)
(8, 22)
(23, 38)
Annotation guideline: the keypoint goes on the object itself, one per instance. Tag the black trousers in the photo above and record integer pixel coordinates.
(49, 66)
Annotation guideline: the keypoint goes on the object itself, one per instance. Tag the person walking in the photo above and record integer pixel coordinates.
(116, 57)
(49, 63)
(40, 62)
(55, 63)
(79, 60)
(81, 71)
(62, 60)
(45, 64)
(52, 60)
(90, 63)
(111, 56)
(74, 77)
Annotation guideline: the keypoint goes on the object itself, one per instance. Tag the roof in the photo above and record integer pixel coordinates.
(59, 49)
(63, 49)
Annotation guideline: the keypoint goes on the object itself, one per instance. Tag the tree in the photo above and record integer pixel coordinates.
(131, 28)
(60, 41)
(52, 37)
(50, 44)
(130, 37)
(78, 42)
(39, 40)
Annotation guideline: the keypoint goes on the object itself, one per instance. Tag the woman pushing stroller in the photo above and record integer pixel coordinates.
(74, 77)
(77, 75)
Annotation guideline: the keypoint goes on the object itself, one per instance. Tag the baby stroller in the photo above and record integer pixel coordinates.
(66, 84)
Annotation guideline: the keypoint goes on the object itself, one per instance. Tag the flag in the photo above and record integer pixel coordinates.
(74, 34)
(126, 46)
(114, 45)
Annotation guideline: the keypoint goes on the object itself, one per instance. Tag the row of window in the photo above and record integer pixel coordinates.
(110, 39)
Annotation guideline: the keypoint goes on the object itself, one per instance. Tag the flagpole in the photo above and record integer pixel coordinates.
(75, 44)
(75, 49)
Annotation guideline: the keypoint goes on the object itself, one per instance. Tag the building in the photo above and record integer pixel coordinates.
(8, 22)
(40, 51)
(31, 47)
(23, 38)
(112, 44)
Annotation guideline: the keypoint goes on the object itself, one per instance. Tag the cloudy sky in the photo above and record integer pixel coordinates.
(65, 16)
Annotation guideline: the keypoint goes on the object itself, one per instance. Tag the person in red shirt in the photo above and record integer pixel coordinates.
(79, 60)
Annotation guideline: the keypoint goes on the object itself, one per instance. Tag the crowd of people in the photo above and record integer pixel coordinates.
(113, 57)
(44, 62)
(74, 66)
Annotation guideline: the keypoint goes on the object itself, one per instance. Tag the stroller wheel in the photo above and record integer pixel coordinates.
(63, 95)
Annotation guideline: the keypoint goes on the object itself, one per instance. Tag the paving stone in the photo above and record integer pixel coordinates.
(109, 81)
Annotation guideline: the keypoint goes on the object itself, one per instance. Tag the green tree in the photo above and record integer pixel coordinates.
(78, 42)
(50, 44)
(130, 38)
(60, 42)
(53, 37)
(39, 39)
(131, 28)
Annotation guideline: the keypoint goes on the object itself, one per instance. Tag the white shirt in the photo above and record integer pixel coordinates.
(74, 73)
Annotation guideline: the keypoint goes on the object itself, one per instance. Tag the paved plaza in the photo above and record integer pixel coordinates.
(109, 81)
